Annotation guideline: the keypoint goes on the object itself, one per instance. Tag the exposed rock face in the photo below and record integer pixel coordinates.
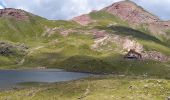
(50, 31)
(14, 13)
(154, 55)
(5, 49)
(159, 28)
(127, 44)
(83, 19)
(10, 49)
(124, 43)
(100, 42)
(147, 55)
(65, 32)
(136, 15)
(129, 11)
(98, 33)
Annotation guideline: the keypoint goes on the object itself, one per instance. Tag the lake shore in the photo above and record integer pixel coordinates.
(10, 78)
(105, 87)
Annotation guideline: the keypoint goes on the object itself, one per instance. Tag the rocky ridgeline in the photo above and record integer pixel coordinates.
(7, 49)
(14, 13)
(131, 12)
(136, 15)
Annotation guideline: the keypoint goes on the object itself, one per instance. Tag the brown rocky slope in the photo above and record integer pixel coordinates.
(134, 15)
(17, 14)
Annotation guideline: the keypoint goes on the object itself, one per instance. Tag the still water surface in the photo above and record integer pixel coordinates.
(9, 78)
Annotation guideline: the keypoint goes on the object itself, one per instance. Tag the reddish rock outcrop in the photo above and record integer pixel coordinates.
(83, 19)
(131, 12)
(13, 13)
(136, 15)
(159, 27)
(98, 33)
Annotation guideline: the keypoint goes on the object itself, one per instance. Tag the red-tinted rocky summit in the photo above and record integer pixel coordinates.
(131, 12)
(13, 13)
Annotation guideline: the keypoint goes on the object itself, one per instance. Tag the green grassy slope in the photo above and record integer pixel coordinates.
(73, 52)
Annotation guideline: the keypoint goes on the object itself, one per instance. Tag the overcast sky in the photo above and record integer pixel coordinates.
(66, 9)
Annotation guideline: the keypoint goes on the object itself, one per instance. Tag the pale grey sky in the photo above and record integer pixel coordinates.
(66, 9)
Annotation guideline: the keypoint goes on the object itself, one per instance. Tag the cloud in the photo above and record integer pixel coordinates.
(66, 9)
(58, 9)
(2, 5)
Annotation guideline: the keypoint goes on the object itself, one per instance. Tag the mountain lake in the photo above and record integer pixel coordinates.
(11, 78)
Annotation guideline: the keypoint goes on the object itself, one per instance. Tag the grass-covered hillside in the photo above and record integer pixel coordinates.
(96, 43)
(68, 45)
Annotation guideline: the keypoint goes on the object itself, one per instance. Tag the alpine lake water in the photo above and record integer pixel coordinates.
(10, 78)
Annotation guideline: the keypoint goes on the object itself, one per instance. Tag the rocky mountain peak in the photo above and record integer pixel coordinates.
(130, 11)
(17, 14)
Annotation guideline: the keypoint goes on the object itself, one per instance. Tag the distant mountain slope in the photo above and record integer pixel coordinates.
(95, 42)
(131, 12)
(21, 26)
(17, 24)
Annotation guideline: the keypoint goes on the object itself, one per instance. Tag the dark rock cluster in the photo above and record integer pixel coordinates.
(147, 55)
(154, 55)
(7, 49)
